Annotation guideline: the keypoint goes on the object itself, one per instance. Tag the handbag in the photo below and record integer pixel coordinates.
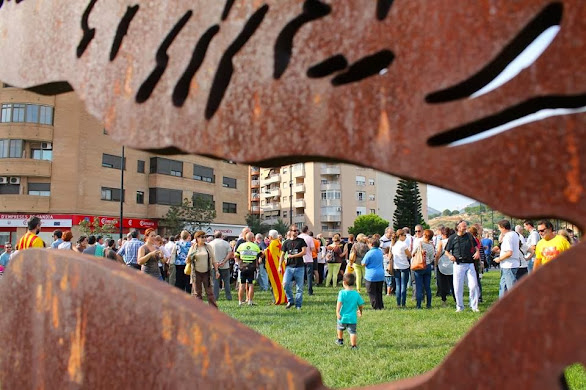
(418, 262)
(330, 256)
(187, 269)
(352, 257)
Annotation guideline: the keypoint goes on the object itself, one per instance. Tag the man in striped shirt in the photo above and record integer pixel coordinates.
(31, 239)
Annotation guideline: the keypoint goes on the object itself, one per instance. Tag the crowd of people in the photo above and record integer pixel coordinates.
(379, 264)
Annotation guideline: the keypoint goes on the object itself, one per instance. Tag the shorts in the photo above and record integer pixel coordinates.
(351, 327)
(247, 275)
(389, 281)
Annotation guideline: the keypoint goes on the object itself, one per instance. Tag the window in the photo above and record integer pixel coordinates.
(11, 148)
(32, 113)
(360, 180)
(105, 131)
(166, 167)
(284, 213)
(371, 182)
(140, 166)
(229, 208)
(165, 196)
(46, 115)
(284, 185)
(328, 195)
(203, 173)
(140, 197)
(6, 113)
(360, 196)
(324, 181)
(370, 197)
(372, 211)
(18, 112)
(203, 200)
(39, 189)
(111, 194)
(42, 151)
(360, 210)
(9, 189)
(229, 182)
(111, 161)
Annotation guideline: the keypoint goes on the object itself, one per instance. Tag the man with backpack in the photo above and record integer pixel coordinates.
(509, 257)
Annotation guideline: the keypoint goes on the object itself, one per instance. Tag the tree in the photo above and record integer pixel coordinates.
(446, 212)
(455, 212)
(281, 226)
(88, 228)
(368, 224)
(408, 205)
(253, 222)
(195, 215)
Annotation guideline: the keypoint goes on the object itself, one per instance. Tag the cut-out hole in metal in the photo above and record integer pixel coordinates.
(382, 8)
(519, 54)
(122, 30)
(88, 33)
(226, 68)
(312, 10)
(227, 8)
(328, 66)
(162, 59)
(181, 90)
(365, 67)
(530, 111)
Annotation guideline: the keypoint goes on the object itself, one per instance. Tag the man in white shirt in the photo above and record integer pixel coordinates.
(308, 258)
(531, 242)
(523, 270)
(222, 252)
(386, 239)
(509, 257)
(409, 239)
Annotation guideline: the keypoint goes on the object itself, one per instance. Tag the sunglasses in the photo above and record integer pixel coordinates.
(417, 231)
(295, 231)
(541, 230)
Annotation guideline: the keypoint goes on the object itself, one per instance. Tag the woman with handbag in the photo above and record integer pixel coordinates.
(445, 267)
(334, 258)
(359, 250)
(203, 267)
(401, 269)
(425, 250)
(149, 255)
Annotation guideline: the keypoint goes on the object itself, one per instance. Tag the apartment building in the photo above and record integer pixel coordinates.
(326, 197)
(57, 161)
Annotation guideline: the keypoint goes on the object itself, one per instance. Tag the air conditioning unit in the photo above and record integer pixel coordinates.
(3, 180)
(339, 209)
(15, 180)
(46, 145)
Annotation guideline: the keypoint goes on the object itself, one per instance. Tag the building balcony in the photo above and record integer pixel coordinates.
(255, 209)
(24, 203)
(299, 203)
(275, 178)
(300, 218)
(330, 169)
(271, 206)
(331, 187)
(254, 170)
(331, 203)
(331, 230)
(331, 217)
(254, 183)
(298, 170)
(275, 192)
(298, 188)
(270, 221)
(25, 167)
(26, 131)
(255, 197)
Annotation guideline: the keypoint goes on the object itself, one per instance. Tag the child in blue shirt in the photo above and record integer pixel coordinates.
(350, 305)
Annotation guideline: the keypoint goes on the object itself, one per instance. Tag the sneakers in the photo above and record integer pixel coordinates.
(458, 310)
(475, 310)
(340, 342)
(289, 305)
(354, 348)
(298, 308)
(251, 303)
(240, 303)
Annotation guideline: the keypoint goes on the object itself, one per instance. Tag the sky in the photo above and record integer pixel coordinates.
(441, 199)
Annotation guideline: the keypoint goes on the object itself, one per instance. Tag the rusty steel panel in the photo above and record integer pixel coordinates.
(71, 321)
(306, 80)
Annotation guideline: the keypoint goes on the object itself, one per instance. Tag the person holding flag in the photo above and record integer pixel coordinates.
(274, 268)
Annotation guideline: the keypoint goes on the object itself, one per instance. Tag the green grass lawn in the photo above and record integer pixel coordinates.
(393, 343)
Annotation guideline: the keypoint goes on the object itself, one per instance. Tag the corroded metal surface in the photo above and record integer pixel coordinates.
(71, 321)
(302, 79)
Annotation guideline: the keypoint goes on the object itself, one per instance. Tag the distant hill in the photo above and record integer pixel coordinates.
(432, 211)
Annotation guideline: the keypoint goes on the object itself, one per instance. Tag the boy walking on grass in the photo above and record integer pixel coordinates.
(349, 305)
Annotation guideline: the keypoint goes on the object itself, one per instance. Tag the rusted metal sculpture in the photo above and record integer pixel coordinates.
(415, 84)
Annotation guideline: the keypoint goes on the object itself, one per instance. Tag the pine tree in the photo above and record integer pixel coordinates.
(408, 205)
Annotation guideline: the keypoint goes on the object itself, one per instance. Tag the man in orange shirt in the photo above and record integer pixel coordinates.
(314, 252)
(31, 239)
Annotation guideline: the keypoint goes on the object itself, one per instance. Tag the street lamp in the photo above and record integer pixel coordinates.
(121, 191)
(290, 195)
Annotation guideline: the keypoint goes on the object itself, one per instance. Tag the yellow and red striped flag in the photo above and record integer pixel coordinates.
(275, 271)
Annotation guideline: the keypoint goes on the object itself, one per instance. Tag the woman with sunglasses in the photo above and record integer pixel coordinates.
(401, 266)
(203, 268)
